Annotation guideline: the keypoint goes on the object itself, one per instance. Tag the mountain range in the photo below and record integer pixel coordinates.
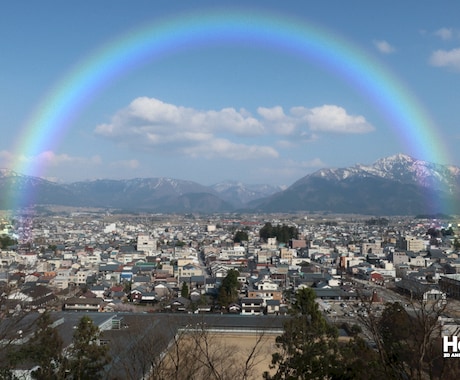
(396, 185)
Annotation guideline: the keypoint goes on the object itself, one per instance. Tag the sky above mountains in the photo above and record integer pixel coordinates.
(260, 92)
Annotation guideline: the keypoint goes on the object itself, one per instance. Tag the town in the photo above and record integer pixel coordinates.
(116, 267)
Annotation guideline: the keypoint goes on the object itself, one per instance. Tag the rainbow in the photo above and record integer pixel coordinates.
(68, 98)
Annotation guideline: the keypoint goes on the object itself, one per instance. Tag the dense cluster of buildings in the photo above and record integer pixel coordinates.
(96, 262)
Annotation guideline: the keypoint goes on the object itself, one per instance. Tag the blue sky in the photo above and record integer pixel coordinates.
(213, 112)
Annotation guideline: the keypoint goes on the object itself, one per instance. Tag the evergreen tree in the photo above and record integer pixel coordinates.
(240, 236)
(282, 233)
(44, 350)
(228, 291)
(456, 244)
(308, 347)
(6, 241)
(184, 290)
(87, 358)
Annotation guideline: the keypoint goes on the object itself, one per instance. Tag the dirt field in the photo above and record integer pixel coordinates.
(227, 353)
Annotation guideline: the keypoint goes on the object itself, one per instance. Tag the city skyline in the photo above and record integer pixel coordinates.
(208, 93)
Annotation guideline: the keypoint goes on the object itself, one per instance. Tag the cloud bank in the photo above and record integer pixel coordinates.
(446, 58)
(151, 124)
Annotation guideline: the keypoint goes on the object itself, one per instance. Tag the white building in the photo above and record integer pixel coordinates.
(146, 243)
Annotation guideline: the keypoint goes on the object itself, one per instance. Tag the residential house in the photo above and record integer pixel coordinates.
(234, 308)
(32, 296)
(162, 290)
(252, 306)
(273, 306)
(83, 304)
(143, 294)
(189, 270)
(421, 290)
(179, 304)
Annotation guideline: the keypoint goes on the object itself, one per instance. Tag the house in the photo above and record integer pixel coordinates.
(83, 304)
(234, 308)
(335, 294)
(162, 290)
(179, 304)
(189, 270)
(140, 280)
(98, 290)
(273, 306)
(265, 295)
(195, 295)
(33, 296)
(211, 285)
(376, 277)
(450, 284)
(421, 290)
(252, 306)
(143, 294)
(437, 255)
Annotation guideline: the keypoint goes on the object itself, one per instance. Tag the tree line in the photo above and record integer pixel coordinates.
(282, 233)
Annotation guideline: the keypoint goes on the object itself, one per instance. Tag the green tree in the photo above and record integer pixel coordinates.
(240, 236)
(282, 233)
(456, 244)
(228, 291)
(6, 241)
(308, 348)
(86, 357)
(184, 291)
(358, 361)
(45, 349)
(266, 231)
(395, 328)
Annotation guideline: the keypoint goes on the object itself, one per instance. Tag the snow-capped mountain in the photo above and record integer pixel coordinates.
(396, 185)
(402, 168)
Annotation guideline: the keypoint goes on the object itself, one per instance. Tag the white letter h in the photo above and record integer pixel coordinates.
(446, 344)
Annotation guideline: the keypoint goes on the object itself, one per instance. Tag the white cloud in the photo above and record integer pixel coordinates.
(160, 117)
(330, 118)
(384, 47)
(226, 149)
(47, 158)
(445, 33)
(273, 114)
(275, 120)
(151, 124)
(446, 58)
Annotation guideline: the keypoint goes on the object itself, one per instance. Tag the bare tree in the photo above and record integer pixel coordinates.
(407, 336)
(168, 347)
(210, 356)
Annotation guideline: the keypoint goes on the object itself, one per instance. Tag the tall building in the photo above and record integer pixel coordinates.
(146, 243)
(412, 243)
